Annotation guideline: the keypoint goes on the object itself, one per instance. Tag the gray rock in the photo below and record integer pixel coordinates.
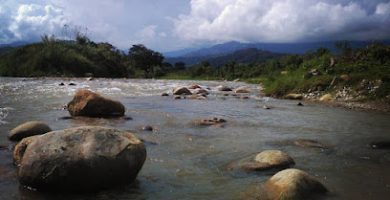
(79, 159)
(28, 129)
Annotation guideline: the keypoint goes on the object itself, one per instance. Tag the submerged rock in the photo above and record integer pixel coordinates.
(209, 122)
(90, 104)
(201, 91)
(294, 96)
(293, 184)
(147, 128)
(300, 104)
(181, 91)
(266, 107)
(196, 97)
(380, 145)
(165, 94)
(268, 159)
(224, 88)
(79, 159)
(28, 129)
(309, 144)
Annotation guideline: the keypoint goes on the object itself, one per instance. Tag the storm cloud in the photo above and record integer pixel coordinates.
(284, 20)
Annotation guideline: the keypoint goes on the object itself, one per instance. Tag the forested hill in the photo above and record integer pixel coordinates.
(243, 56)
(78, 58)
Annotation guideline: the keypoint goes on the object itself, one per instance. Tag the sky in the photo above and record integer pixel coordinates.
(167, 25)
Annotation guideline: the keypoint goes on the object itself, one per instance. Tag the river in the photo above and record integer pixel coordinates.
(187, 162)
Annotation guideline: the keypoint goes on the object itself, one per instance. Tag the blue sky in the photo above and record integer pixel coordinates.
(167, 25)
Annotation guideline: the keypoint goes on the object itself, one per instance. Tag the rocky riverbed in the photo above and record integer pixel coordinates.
(211, 140)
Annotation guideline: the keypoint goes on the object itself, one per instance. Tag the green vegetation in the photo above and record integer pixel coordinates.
(321, 71)
(365, 71)
(78, 58)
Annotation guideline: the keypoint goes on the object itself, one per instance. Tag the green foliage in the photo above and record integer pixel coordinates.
(147, 60)
(289, 73)
(53, 57)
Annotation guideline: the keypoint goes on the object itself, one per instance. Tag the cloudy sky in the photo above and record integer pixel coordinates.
(173, 24)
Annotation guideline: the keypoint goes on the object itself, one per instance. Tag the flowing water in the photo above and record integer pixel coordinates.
(187, 162)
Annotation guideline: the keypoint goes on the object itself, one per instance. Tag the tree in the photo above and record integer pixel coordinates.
(145, 59)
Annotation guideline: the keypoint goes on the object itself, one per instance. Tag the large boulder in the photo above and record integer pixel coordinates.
(181, 91)
(293, 184)
(28, 129)
(79, 159)
(90, 104)
(268, 159)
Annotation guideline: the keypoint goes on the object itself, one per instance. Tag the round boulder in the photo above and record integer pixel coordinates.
(90, 104)
(268, 159)
(293, 184)
(85, 158)
(181, 91)
(28, 129)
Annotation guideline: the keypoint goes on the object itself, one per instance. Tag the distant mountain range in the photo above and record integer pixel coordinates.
(227, 51)
(248, 55)
(7, 47)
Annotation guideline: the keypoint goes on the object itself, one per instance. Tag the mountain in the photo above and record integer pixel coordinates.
(291, 48)
(179, 53)
(9, 46)
(248, 55)
(14, 44)
(225, 50)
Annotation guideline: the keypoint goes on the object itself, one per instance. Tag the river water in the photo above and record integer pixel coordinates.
(187, 162)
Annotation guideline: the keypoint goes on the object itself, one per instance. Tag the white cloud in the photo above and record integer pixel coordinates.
(149, 32)
(282, 21)
(29, 21)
